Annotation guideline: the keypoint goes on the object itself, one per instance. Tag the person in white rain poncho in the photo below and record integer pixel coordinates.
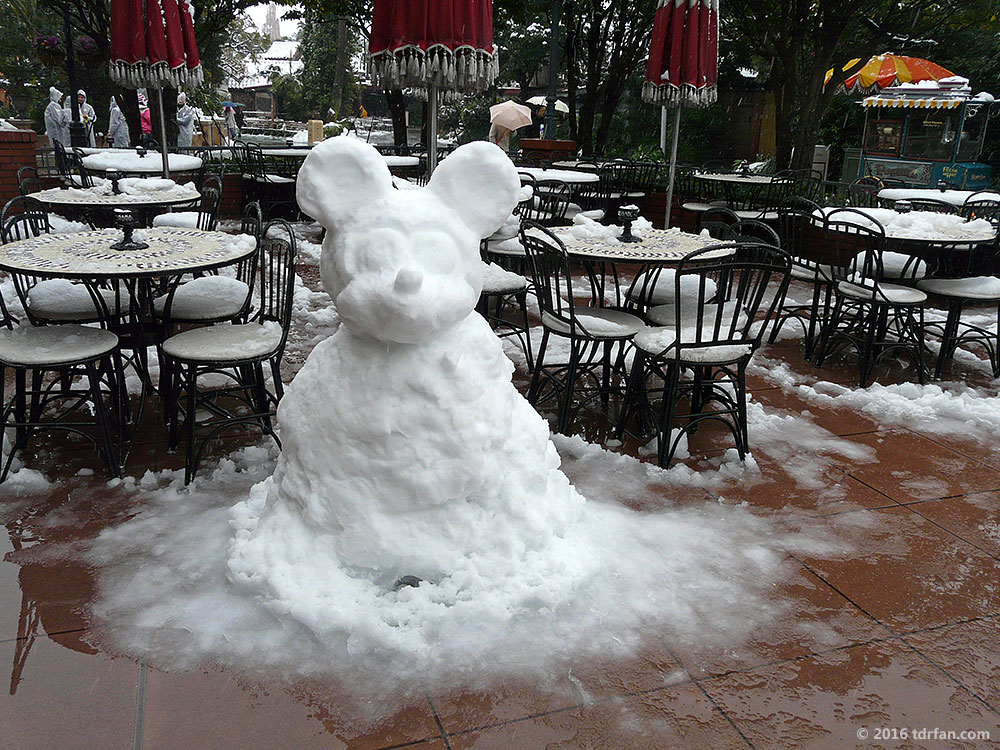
(185, 122)
(87, 116)
(118, 134)
(55, 119)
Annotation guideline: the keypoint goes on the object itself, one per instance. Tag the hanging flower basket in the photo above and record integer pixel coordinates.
(89, 52)
(50, 50)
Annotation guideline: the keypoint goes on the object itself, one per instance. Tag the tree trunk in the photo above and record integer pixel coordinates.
(338, 82)
(397, 111)
(569, 14)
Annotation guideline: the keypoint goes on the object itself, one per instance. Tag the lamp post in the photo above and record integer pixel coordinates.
(77, 133)
(550, 109)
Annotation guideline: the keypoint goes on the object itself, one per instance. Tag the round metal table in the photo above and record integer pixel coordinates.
(659, 247)
(101, 197)
(568, 176)
(88, 255)
(953, 197)
(127, 161)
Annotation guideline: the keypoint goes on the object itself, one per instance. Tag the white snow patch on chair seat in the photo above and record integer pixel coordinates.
(61, 299)
(598, 322)
(822, 272)
(700, 207)
(36, 346)
(973, 287)
(666, 315)
(498, 280)
(277, 178)
(227, 342)
(183, 219)
(511, 247)
(208, 297)
(656, 340)
(900, 295)
(663, 292)
(897, 265)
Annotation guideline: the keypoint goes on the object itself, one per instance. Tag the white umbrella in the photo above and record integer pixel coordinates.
(510, 115)
(561, 106)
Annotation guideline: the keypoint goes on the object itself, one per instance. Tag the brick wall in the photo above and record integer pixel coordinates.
(17, 149)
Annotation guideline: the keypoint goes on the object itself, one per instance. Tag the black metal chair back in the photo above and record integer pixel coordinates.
(720, 223)
(982, 208)
(550, 272)
(277, 275)
(794, 216)
(208, 212)
(549, 203)
(932, 205)
(28, 181)
(721, 291)
(22, 218)
(858, 242)
(864, 191)
(755, 231)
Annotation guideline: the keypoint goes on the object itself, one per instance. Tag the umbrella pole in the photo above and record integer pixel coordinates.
(673, 166)
(163, 135)
(432, 128)
(663, 131)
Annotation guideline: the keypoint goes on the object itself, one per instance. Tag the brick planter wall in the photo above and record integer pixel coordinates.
(17, 149)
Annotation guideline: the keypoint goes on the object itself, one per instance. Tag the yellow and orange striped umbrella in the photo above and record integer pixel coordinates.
(885, 70)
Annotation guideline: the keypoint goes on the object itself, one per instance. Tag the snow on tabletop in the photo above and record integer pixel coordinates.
(585, 228)
(917, 225)
(954, 197)
(129, 161)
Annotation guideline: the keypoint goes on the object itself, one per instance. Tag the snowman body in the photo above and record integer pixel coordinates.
(406, 449)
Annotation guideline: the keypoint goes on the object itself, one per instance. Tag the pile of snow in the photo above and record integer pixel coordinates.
(586, 228)
(127, 160)
(5, 125)
(916, 225)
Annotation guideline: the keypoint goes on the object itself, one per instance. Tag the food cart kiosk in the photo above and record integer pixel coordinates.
(926, 136)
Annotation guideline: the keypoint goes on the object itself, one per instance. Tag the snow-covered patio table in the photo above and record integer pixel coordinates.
(568, 176)
(598, 246)
(925, 227)
(127, 161)
(134, 193)
(391, 160)
(735, 178)
(954, 197)
(88, 255)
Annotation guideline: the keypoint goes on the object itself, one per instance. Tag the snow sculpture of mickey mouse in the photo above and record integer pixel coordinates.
(406, 449)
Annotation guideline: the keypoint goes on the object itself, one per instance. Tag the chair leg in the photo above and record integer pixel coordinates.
(107, 450)
(20, 408)
(665, 444)
(949, 337)
(743, 446)
(566, 403)
(191, 382)
(536, 375)
(279, 387)
(522, 300)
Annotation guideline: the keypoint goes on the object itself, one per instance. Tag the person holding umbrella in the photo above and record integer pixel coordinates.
(505, 118)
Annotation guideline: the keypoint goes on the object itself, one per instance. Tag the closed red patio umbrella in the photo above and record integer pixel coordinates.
(432, 45)
(683, 65)
(152, 46)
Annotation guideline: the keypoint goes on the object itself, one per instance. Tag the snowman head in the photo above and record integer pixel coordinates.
(403, 265)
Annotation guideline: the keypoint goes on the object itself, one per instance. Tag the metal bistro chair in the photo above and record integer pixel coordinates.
(85, 366)
(237, 351)
(52, 300)
(205, 218)
(703, 351)
(933, 205)
(503, 288)
(982, 291)
(795, 216)
(28, 181)
(720, 222)
(873, 312)
(597, 336)
(549, 203)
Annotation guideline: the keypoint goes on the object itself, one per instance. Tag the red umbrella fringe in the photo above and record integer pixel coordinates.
(685, 95)
(141, 74)
(465, 69)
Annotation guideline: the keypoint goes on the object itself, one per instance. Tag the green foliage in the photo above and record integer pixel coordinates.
(287, 90)
(318, 48)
